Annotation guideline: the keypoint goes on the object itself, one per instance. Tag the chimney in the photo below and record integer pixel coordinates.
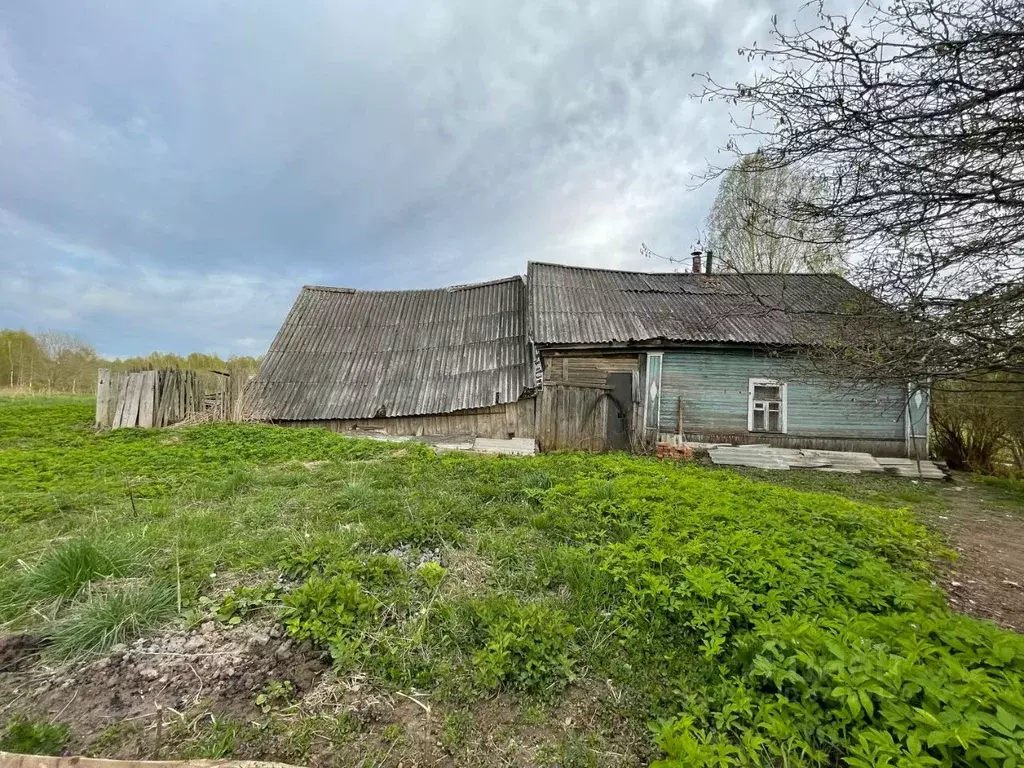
(696, 263)
(707, 262)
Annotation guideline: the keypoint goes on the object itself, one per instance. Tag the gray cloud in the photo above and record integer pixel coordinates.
(170, 174)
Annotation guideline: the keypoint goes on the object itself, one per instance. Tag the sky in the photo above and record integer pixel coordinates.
(172, 173)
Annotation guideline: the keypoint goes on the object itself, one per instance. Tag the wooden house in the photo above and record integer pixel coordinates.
(585, 359)
(630, 358)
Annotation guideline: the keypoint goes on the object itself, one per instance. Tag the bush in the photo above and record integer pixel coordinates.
(110, 615)
(973, 422)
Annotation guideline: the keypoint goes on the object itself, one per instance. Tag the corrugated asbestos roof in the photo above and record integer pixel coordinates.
(344, 354)
(577, 305)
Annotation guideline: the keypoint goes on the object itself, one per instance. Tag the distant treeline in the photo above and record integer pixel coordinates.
(54, 361)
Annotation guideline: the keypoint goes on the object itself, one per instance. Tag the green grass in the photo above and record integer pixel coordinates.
(62, 572)
(114, 613)
(745, 622)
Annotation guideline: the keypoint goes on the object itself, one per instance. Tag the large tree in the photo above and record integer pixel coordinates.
(911, 114)
(751, 227)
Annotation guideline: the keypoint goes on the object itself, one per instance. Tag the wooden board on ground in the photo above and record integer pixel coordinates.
(11, 760)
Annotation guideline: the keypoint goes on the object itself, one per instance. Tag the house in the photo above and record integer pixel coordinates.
(708, 358)
(585, 359)
(444, 362)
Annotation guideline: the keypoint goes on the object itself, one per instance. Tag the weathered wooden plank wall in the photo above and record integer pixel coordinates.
(567, 420)
(572, 417)
(156, 398)
(108, 396)
(499, 421)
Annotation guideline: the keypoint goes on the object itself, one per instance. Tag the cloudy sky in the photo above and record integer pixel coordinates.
(171, 173)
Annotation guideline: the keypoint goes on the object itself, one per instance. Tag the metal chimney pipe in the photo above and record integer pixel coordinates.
(707, 262)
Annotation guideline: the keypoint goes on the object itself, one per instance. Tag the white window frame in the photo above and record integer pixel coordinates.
(784, 424)
(647, 389)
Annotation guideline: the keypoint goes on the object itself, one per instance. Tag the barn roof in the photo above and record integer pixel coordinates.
(347, 354)
(578, 305)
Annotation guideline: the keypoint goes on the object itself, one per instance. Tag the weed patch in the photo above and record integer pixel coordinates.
(748, 623)
(26, 736)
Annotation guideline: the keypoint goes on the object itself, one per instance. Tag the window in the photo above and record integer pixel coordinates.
(766, 406)
(652, 399)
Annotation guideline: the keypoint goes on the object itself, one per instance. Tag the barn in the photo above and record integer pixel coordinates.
(444, 362)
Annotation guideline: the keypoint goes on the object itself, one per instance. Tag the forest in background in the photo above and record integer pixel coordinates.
(55, 361)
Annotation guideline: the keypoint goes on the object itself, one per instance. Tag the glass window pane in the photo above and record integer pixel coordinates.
(653, 390)
(765, 392)
(759, 420)
(774, 421)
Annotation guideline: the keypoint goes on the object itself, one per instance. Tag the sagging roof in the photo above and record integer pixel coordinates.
(346, 354)
(578, 305)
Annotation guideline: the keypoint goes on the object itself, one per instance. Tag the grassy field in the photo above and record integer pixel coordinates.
(466, 610)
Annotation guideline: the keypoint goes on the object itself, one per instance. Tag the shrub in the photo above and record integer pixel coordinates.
(111, 615)
(33, 737)
(973, 422)
(526, 646)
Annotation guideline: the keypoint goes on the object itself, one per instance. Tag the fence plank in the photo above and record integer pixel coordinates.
(122, 403)
(102, 396)
(147, 398)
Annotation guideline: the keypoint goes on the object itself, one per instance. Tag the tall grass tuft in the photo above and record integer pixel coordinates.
(114, 614)
(62, 573)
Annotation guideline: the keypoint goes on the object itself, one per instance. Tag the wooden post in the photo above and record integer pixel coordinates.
(103, 398)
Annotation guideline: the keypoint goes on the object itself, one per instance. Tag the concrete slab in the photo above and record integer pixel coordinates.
(516, 446)
(846, 462)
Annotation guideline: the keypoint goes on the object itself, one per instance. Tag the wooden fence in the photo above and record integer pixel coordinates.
(156, 398)
(162, 397)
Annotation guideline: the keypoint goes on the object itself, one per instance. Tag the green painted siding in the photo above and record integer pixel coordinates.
(712, 384)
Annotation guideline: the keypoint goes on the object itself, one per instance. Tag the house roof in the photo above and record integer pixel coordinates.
(347, 354)
(577, 305)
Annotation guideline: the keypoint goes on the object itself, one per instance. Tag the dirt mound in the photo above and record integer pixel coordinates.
(223, 666)
(17, 651)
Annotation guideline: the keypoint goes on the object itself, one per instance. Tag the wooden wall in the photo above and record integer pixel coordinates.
(573, 406)
(498, 421)
(584, 368)
(711, 386)
(572, 418)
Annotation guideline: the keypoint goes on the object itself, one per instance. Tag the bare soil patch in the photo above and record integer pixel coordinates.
(221, 667)
(987, 532)
(197, 680)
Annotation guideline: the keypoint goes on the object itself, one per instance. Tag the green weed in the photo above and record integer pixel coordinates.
(327, 610)
(526, 646)
(26, 736)
(276, 693)
(753, 624)
(456, 730)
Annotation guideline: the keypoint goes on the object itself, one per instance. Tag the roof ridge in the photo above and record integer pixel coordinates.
(443, 288)
(684, 273)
